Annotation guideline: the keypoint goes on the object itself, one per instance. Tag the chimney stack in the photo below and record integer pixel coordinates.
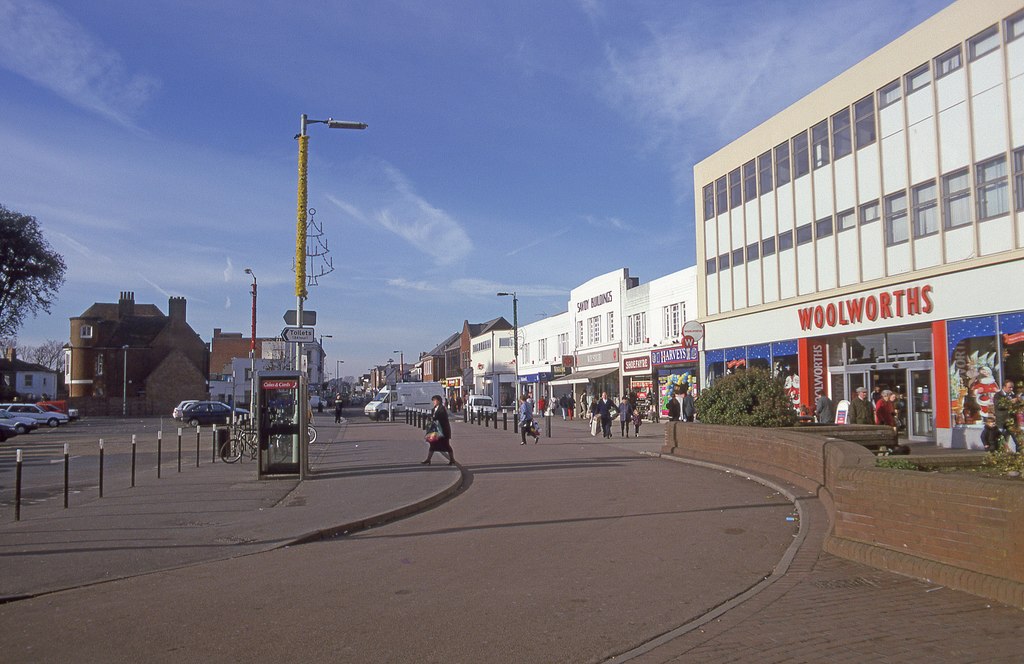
(126, 305)
(176, 308)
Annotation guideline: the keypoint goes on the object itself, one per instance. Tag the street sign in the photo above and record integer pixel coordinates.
(308, 318)
(300, 335)
(693, 332)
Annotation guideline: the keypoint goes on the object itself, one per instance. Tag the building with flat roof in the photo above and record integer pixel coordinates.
(872, 234)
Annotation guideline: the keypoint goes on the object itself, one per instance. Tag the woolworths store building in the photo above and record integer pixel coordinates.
(872, 234)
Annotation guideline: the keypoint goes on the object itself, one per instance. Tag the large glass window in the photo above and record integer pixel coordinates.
(781, 164)
(764, 172)
(749, 181)
(918, 78)
(983, 43)
(819, 141)
(801, 155)
(974, 365)
(956, 198)
(579, 339)
(785, 240)
(673, 321)
(908, 345)
(889, 94)
(865, 348)
(723, 261)
(737, 257)
(842, 144)
(926, 210)
(1018, 179)
(846, 220)
(711, 266)
(768, 246)
(864, 120)
(896, 219)
(804, 234)
(594, 330)
(721, 196)
(949, 61)
(869, 213)
(1014, 26)
(735, 190)
(752, 251)
(824, 228)
(709, 201)
(993, 195)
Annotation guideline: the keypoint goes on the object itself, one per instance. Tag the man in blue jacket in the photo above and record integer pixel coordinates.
(603, 409)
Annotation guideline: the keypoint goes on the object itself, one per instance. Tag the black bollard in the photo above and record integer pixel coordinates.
(465, 414)
(495, 418)
(67, 462)
(159, 451)
(101, 467)
(213, 430)
(17, 488)
(197, 445)
(504, 420)
(133, 460)
(547, 424)
(179, 454)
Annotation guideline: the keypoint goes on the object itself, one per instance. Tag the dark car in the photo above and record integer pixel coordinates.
(206, 412)
(6, 431)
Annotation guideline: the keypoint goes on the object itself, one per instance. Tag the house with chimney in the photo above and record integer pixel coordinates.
(130, 357)
(25, 381)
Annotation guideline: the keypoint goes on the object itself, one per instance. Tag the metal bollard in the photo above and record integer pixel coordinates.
(159, 451)
(213, 430)
(515, 423)
(547, 424)
(504, 420)
(101, 467)
(179, 454)
(133, 460)
(67, 461)
(17, 488)
(465, 414)
(495, 418)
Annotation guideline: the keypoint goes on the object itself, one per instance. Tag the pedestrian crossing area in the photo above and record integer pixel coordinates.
(34, 452)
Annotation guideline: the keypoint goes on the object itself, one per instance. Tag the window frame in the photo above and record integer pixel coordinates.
(896, 219)
(828, 224)
(863, 208)
(949, 197)
(753, 251)
(594, 330)
(1018, 176)
(737, 257)
(785, 241)
(941, 61)
(863, 121)
(709, 200)
(985, 188)
(783, 165)
(885, 93)
(991, 32)
(721, 195)
(841, 135)
(711, 265)
(749, 177)
(820, 145)
(804, 234)
(912, 80)
(85, 332)
(764, 165)
(851, 214)
(920, 209)
(735, 189)
(723, 261)
(801, 155)
(768, 247)
(1010, 23)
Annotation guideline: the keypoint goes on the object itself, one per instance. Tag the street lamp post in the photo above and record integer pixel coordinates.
(401, 368)
(323, 356)
(515, 341)
(124, 388)
(252, 348)
(300, 228)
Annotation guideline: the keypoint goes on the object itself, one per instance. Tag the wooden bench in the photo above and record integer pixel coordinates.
(878, 438)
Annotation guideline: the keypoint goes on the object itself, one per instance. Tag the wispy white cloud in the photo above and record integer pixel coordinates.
(43, 44)
(229, 270)
(545, 239)
(610, 223)
(404, 213)
(400, 282)
(487, 288)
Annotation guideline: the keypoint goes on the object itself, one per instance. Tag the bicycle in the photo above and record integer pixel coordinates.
(242, 441)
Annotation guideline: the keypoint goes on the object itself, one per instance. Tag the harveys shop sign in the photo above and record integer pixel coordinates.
(900, 303)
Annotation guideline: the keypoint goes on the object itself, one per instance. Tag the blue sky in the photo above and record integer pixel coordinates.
(514, 145)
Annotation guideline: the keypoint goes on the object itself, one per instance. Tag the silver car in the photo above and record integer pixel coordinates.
(21, 425)
(36, 413)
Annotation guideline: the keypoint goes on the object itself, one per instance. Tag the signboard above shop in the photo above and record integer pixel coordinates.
(676, 355)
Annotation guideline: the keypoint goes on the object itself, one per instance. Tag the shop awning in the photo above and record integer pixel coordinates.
(582, 376)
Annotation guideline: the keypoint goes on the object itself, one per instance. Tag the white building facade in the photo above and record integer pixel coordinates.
(492, 357)
(873, 232)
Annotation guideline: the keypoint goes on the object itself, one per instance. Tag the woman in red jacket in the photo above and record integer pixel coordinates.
(885, 409)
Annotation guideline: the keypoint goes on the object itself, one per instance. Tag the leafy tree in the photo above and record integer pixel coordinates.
(751, 398)
(31, 272)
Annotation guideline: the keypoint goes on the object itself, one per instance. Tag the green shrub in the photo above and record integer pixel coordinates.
(1005, 462)
(899, 464)
(751, 398)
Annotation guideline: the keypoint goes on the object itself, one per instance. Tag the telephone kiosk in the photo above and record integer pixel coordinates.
(282, 403)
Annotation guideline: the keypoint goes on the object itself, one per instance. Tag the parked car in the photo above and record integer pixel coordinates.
(176, 413)
(19, 424)
(35, 412)
(59, 407)
(6, 431)
(209, 412)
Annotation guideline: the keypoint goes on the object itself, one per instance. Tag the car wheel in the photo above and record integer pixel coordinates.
(20, 429)
(193, 422)
(382, 416)
(52, 422)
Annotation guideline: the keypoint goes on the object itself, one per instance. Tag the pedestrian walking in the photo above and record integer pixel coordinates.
(625, 417)
(688, 406)
(860, 408)
(637, 421)
(526, 420)
(674, 407)
(443, 442)
(603, 409)
(563, 405)
(823, 410)
(338, 407)
(571, 401)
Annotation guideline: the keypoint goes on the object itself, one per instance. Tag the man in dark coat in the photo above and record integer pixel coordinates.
(603, 408)
(674, 409)
(823, 410)
(860, 409)
(687, 407)
(439, 417)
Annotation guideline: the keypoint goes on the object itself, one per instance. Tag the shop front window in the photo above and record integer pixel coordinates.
(973, 368)
(865, 348)
(735, 359)
(1011, 332)
(909, 345)
(714, 364)
(759, 357)
(785, 366)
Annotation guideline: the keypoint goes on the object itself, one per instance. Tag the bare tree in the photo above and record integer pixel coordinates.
(50, 354)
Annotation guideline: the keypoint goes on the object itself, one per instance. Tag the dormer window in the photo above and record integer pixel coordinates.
(85, 332)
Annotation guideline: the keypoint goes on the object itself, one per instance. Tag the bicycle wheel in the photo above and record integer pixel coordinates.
(311, 432)
(231, 449)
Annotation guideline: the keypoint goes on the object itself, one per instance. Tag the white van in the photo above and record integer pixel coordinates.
(479, 404)
(401, 397)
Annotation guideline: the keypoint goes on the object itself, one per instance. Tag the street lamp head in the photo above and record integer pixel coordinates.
(504, 293)
(248, 270)
(345, 124)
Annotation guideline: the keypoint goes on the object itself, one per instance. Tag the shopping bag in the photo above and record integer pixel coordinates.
(593, 426)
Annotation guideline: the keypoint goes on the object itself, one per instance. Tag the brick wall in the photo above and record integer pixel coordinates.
(957, 531)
